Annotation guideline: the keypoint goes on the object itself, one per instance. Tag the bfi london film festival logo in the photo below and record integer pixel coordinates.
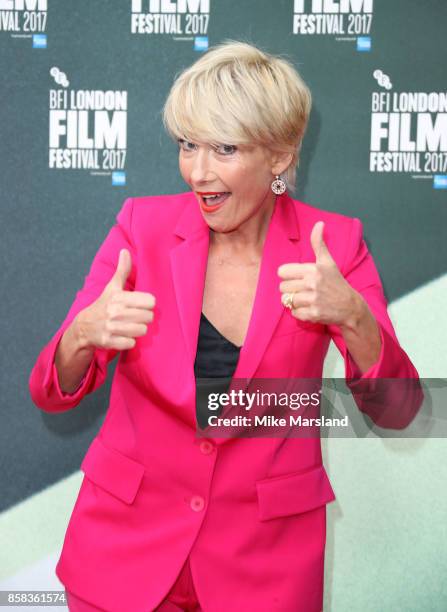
(346, 20)
(25, 19)
(87, 129)
(409, 132)
(183, 19)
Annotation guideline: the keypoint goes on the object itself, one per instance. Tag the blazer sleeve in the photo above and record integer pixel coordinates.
(389, 402)
(44, 385)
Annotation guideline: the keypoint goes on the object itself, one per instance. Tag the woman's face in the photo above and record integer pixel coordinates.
(243, 173)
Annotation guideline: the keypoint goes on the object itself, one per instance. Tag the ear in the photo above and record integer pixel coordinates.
(280, 162)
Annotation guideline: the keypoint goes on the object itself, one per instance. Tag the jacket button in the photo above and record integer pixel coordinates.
(197, 503)
(206, 447)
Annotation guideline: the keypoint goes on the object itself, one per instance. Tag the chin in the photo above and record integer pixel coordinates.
(219, 227)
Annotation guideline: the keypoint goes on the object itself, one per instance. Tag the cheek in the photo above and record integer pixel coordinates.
(185, 167)
(252, 182)
(237, 174)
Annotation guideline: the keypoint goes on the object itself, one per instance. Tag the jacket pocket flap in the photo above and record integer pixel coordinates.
(293, 493)
(112, 471)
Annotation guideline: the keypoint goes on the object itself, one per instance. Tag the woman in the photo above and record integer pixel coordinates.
(232, 278)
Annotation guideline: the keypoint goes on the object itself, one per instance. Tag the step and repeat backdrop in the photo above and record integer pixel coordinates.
(82, 85)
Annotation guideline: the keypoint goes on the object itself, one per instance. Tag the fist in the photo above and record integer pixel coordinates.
(117, 317)
(320, 292)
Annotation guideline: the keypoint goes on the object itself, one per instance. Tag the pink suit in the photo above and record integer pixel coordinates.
(250, 512)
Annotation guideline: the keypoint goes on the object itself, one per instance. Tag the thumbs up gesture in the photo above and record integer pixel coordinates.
(117, 317)
(319, 292)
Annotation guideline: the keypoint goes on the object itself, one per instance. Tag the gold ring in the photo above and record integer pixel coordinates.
(287, 300)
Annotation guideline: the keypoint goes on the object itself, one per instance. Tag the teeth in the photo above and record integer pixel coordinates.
(212, 197)
(215, 200)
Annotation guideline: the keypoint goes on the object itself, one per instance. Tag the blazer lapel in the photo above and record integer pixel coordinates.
(189, 264)
(281, 246)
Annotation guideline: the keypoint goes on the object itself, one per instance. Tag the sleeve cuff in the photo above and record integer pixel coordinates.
(51, 379)
(80, 391)
(389, 392)
(352, 371)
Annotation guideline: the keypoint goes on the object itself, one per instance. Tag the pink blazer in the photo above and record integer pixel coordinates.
(250, 512)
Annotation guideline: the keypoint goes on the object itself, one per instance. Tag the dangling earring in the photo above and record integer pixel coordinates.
(278, 185)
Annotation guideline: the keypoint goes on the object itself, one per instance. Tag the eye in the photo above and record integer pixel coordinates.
(186, 145)
(225, 149)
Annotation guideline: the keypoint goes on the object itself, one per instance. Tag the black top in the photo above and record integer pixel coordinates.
(216, 358)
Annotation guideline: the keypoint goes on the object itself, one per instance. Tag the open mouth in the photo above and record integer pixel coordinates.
(212, 201)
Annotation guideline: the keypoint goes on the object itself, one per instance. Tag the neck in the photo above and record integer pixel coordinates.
(249, 236)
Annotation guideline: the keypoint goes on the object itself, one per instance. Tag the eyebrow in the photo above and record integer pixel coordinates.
(211, 144)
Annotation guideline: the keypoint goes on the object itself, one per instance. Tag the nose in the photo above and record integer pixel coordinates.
(201, 168)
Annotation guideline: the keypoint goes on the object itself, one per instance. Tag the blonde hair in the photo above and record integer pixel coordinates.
(238, 94)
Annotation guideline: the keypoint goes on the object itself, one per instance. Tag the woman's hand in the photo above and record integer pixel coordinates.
(320, 292)
(117, 317)
(322, 295)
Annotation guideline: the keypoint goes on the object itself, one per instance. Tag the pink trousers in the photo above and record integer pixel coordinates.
(182, 596)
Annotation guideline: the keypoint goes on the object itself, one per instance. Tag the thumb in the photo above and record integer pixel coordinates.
(123, 269)
(319, 246)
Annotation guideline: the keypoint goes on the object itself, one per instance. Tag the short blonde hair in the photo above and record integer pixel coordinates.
(238, 94)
